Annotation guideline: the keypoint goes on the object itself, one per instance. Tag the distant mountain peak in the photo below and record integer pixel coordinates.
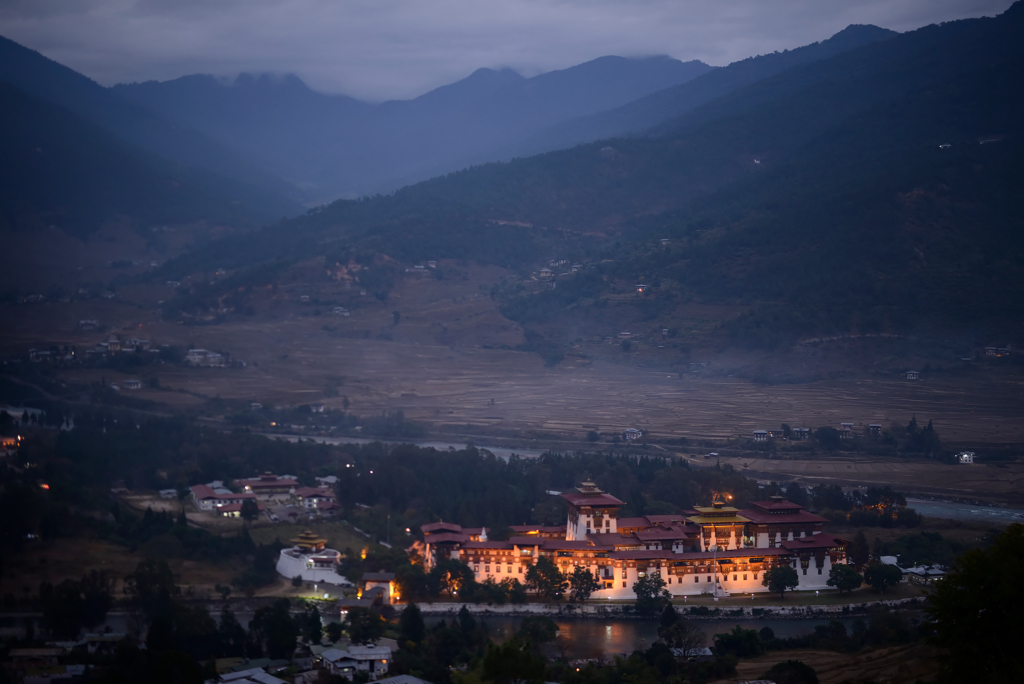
(859, 32)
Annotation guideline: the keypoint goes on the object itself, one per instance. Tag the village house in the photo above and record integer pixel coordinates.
(716, 548)
(384, 581)
(912, 375)
(965, 457)
(875, 429)
(801, 433)
(207, 498)
(311, 497)
(641, 288)
(776, 434)
(196, 356)
(629, 434)
(761, 435)
(234, 510)
(372, 660)
(269, 485)
(545, 273)
(133, 384)
(88, 325)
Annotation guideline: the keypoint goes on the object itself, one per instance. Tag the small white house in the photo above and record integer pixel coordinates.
(912, 375)
(760, 435)
(632, 433)
(965, 457)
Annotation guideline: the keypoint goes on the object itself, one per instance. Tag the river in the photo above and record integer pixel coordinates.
(960, 511)
(590, 638)
(500, 452)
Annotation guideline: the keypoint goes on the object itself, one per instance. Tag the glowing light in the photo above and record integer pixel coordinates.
(45, 486)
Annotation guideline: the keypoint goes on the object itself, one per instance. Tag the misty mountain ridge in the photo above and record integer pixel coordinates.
(814, 198)
(334, 144)
(48, 80)
(645, 113)
(62, 170)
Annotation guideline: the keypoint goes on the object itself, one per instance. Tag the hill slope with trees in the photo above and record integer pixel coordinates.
(819, 199)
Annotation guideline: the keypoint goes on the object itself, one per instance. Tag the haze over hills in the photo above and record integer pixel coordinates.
(60, 169)
(333, 145)
(47, 80)
(647, 112)
(811, 200)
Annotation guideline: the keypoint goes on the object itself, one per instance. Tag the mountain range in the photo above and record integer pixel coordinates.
(850, 194)
(865, 184)
(333, 145)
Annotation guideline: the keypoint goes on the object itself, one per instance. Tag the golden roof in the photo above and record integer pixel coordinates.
(308, 539)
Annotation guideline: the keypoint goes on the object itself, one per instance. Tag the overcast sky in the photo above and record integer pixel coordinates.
(382, 49)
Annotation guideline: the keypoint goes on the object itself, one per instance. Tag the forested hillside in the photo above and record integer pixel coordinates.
(647, 112)
(819, 199)
(47, 80)
(61, 170)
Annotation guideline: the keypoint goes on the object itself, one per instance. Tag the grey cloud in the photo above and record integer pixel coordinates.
(379, 49)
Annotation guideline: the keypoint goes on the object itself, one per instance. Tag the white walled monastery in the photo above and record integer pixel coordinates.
(699, 551)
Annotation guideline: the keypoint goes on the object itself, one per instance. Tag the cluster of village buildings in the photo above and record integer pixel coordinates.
(267, 490)
(64, 661)
(715, 549)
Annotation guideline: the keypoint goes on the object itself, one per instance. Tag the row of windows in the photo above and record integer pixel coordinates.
(497, 569)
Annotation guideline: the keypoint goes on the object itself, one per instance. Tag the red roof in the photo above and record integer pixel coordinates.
(662, 519)
(604, 499)
(563, 545)
(633, 522)
(327, 506)
(487, 545)
(526, 541)
(613, 539)
(815, 541)
(549, 529)
(443, 537)
(658, 533)
(319, 492)
(203, 492)
(430, 528)
(264, 482)
(772, 505)
(761, 517)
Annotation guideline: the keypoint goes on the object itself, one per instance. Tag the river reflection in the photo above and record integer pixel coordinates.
(588, 638)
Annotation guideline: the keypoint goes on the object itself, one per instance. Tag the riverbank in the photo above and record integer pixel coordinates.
(625, 611)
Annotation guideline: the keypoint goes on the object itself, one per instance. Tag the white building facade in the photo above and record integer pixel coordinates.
(714, 549)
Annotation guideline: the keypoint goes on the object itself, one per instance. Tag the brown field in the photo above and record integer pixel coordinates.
(886, 665)
(56, 560)
(978, 480)
(450, 362)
